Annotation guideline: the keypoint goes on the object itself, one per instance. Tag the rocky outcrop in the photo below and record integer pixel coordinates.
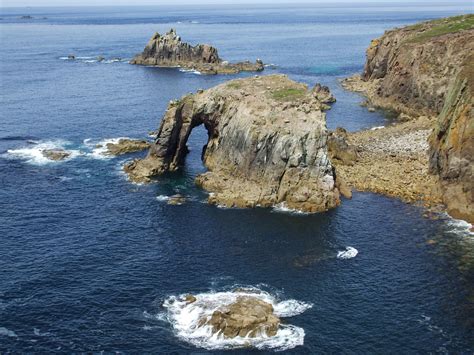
(246, 317)
(55, 154)
(452, 145)
(410, 69)
(267, 144)
(169, 51)
(126, 146)
(426, 70)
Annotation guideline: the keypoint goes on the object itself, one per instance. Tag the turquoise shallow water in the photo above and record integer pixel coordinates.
(87, 259)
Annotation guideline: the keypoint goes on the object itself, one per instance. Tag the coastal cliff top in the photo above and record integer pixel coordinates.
(425, 31)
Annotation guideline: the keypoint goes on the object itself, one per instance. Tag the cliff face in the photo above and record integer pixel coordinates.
(169, 51)
(452, 145)
(267, 144)
(426, 70)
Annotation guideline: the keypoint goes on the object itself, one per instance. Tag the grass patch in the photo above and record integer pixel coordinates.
(288, 94)
(444, 26)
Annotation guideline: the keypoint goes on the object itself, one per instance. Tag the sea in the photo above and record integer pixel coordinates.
(92, 263)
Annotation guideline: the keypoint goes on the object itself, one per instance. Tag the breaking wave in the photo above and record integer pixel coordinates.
(98, 148)
(459, 226)
(283, 208)
(349, 253)
(33, 153)
(191, 71)
(184, 317)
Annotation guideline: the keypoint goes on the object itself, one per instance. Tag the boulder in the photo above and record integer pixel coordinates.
(339, 148)
(246, 317)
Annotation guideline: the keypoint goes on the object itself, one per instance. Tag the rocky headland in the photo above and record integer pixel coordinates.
(169, 50)
(267, 144)
(425, 73)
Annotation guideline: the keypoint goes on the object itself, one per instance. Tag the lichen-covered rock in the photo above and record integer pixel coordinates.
(246, 317)
(452, 145)
(339, 148)
(267, 144)
(169, 51)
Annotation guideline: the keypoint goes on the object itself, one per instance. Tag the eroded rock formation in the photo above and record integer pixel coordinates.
(125, 146)
(55, 154)
(267, 144)
(169, 51)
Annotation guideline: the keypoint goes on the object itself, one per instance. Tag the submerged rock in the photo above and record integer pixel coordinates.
(125, 146)
(246, 317)
(176, 200)
(55, 154)
(267, 145)
(169, 51)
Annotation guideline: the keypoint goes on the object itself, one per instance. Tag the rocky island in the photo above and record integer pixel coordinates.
(267, 144)
(425, 73)
(169, 51)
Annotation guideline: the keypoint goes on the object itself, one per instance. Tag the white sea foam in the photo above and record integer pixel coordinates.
(283, 208)
(162, 198)
(191, 71)
(7, 332)
(349, 253)
(459, 226)
(185, 319)
(33, 153)
(99, 148)
(376, 128)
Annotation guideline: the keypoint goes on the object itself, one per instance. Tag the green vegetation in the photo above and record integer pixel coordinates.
(288, 94)
(442, 27)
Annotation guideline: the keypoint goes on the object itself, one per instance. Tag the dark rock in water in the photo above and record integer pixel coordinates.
(55, 154)
(190, 299)
(26, 17)
(267, 145)
(125, 146)
(71, 57)
(246, 317)
(100, 58)
(169, 51)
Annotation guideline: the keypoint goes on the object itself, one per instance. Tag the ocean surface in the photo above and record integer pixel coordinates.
(90, 262)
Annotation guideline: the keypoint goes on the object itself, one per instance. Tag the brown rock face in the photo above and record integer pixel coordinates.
(246, 317)
(169, 51)
(267, 144)
(125, 146)
(452, 145)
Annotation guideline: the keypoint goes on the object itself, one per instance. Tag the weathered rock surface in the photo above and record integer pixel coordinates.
(169, 51)
(125, 146)
(452, 145)
(55, 154)
(410, 69)
(426, 70)
(246, 317)
(267, 144)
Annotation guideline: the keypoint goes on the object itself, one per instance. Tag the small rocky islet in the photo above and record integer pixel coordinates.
(169, 50)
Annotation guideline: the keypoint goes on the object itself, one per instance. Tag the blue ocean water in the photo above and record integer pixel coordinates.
(87, 259)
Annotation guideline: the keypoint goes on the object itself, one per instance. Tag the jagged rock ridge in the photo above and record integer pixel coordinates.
(169, 51)
(267, 144)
